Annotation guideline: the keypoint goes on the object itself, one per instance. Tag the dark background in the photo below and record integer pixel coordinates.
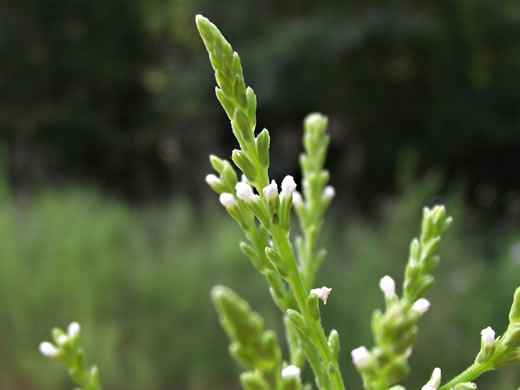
(118, 94)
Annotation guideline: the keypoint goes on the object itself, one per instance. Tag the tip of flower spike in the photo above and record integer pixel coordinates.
(291, 371)
(48, 349)
(488, 336)
(322, 293)
(387, 285)
(212, 179)
(421, 305)
(227, 200)
(360, 357)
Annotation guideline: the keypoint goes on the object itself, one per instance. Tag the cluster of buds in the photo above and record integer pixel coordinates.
(63, 341)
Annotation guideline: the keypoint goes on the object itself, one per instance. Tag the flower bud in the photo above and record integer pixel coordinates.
(322, 293)
(227, 200)
(435, 380)
(421, 306)
(387, 285)
(288, 187)
(328, 193)
(48, 349)
(291, 371)
(244, 192)
(488, 336)
(361, 357)
(73, 330)
(271, 190)
(297, 199)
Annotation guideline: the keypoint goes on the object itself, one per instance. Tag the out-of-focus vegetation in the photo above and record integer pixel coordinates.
(119, 93)
(138, 281)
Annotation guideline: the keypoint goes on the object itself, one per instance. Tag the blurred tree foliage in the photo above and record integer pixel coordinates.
(119, 93)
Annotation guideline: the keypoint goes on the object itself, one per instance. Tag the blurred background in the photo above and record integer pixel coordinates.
(107, 115)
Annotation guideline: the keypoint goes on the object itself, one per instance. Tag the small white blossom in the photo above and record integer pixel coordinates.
(288, 186)
(73, 329)
(48, 349)
(329, 192)
(421, 305)
(297, 199)
(488, 336)
(211, 179)
(62, 340)
(387, 285)
(291, 371)
(361, 357)
(435, 380)
(227, 200)
(271, 190)
(244, 192)
(322, 293)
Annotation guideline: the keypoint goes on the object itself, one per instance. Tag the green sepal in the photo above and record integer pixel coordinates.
(514, 313)
(277, 261)
(291, 383)
(512, 356)
(252, 254)
(298, 321)
(334, 344)
(244, 164)
(243, 355)
(252, 380)
(251, 105)
(226, 104)
(262, 147)
(242, 126)
(313, 307)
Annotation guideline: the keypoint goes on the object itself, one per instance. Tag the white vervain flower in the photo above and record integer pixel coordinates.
(288, 186)
(297, 199)
(421, 305)
(488, 336)
(435, 380)
(360, 357)
(291, 371)
(271, 190)
(227, 200)
(387, 285)
(73, 329)
(48, 349)
(62, 340)
(329, 193)
(212, 179)
(244, 192)
(322, 293)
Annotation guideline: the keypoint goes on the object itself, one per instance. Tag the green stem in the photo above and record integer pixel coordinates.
(317, 335)
(470, 373)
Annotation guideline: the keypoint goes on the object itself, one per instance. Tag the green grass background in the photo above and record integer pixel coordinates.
(138, 281)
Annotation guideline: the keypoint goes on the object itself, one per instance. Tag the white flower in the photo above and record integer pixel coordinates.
(271, 190)
(329, 193)
(361, 357)
(244, 192)
(435, 380)
(73, 330)
(227, 200)
(291, 371)
(322, 293)
(488, 336)
(212, 180)
(387, 285)
(48, 349)
(421, 305)
(62, 340)
(288, 186)
(297, 199)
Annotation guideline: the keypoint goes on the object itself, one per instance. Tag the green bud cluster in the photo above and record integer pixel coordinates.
(395, 330)
(67, 350)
